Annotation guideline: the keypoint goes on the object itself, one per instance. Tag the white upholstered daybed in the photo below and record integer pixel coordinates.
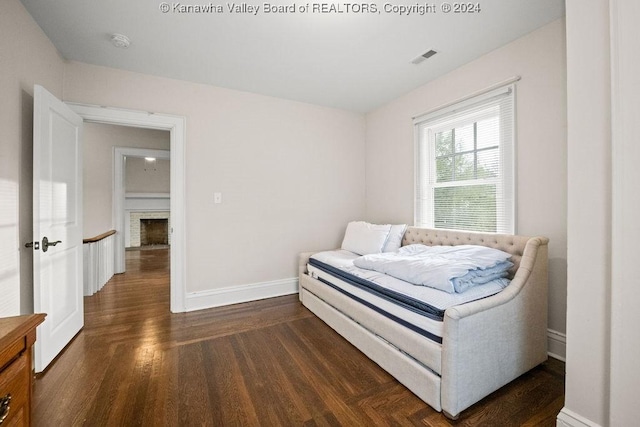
(480, 345)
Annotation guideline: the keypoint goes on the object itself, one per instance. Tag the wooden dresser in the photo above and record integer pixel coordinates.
(17, 335)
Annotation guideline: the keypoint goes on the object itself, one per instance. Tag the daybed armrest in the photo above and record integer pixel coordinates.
(489, 342)
(527, 265)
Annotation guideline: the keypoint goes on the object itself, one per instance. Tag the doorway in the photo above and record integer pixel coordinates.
(176, 127)
(140, 185)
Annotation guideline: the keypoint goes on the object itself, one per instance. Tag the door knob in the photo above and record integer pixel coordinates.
(46, 243)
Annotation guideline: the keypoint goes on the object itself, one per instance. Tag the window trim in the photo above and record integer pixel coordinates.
(441, 119)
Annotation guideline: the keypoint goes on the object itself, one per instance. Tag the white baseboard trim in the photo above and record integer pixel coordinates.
(568, 418)
(238, 294)
(557, 345)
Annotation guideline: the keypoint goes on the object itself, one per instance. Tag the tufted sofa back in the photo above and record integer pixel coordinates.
(512, 244)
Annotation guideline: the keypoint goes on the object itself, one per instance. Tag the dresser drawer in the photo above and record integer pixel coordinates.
(14, 382)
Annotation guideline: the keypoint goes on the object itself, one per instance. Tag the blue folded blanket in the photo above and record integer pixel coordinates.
(447, 268)
(481, 276)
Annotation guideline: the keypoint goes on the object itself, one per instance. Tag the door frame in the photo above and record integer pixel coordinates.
(176, 125)
(119, 194)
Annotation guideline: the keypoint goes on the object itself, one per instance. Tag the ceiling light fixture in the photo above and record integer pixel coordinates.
(120, 40)
(149, 163)
(428, 54)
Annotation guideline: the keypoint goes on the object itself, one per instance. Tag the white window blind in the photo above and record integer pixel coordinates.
(465, 165)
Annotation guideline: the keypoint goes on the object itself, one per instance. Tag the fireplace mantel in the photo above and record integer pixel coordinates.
(147, 201)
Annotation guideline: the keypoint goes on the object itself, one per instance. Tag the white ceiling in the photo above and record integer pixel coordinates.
(352, 61)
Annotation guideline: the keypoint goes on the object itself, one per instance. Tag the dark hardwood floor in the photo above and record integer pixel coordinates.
(267, 363)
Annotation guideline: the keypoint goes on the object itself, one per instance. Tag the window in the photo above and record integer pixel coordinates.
(465, 165)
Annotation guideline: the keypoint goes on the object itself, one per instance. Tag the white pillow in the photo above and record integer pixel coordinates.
(394, 241)
(363, 238)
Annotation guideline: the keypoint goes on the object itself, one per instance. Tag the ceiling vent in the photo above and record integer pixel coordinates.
(120, 40)
(428, 54)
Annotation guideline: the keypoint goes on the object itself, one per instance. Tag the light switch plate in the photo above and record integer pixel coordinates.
(217, 198)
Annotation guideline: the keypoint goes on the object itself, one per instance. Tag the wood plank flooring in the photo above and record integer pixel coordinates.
(263, 363)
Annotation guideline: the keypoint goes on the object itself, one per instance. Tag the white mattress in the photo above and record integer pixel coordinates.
(441, 300)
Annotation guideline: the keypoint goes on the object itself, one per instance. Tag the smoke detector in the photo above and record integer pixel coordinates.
(428, 54)
(120, 40)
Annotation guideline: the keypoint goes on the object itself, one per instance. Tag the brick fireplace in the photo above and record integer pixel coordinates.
(149, 228)
(154, 231)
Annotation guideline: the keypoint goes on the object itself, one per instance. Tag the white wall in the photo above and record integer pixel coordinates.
(291, 174)
(589, 217)
(539, 58)
(625, 292)
(27, 57)
(625, 298)
(603, 378)
(144, 177)
(99, 140)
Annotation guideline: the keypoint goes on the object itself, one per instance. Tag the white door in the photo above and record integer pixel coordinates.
(57, 225)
